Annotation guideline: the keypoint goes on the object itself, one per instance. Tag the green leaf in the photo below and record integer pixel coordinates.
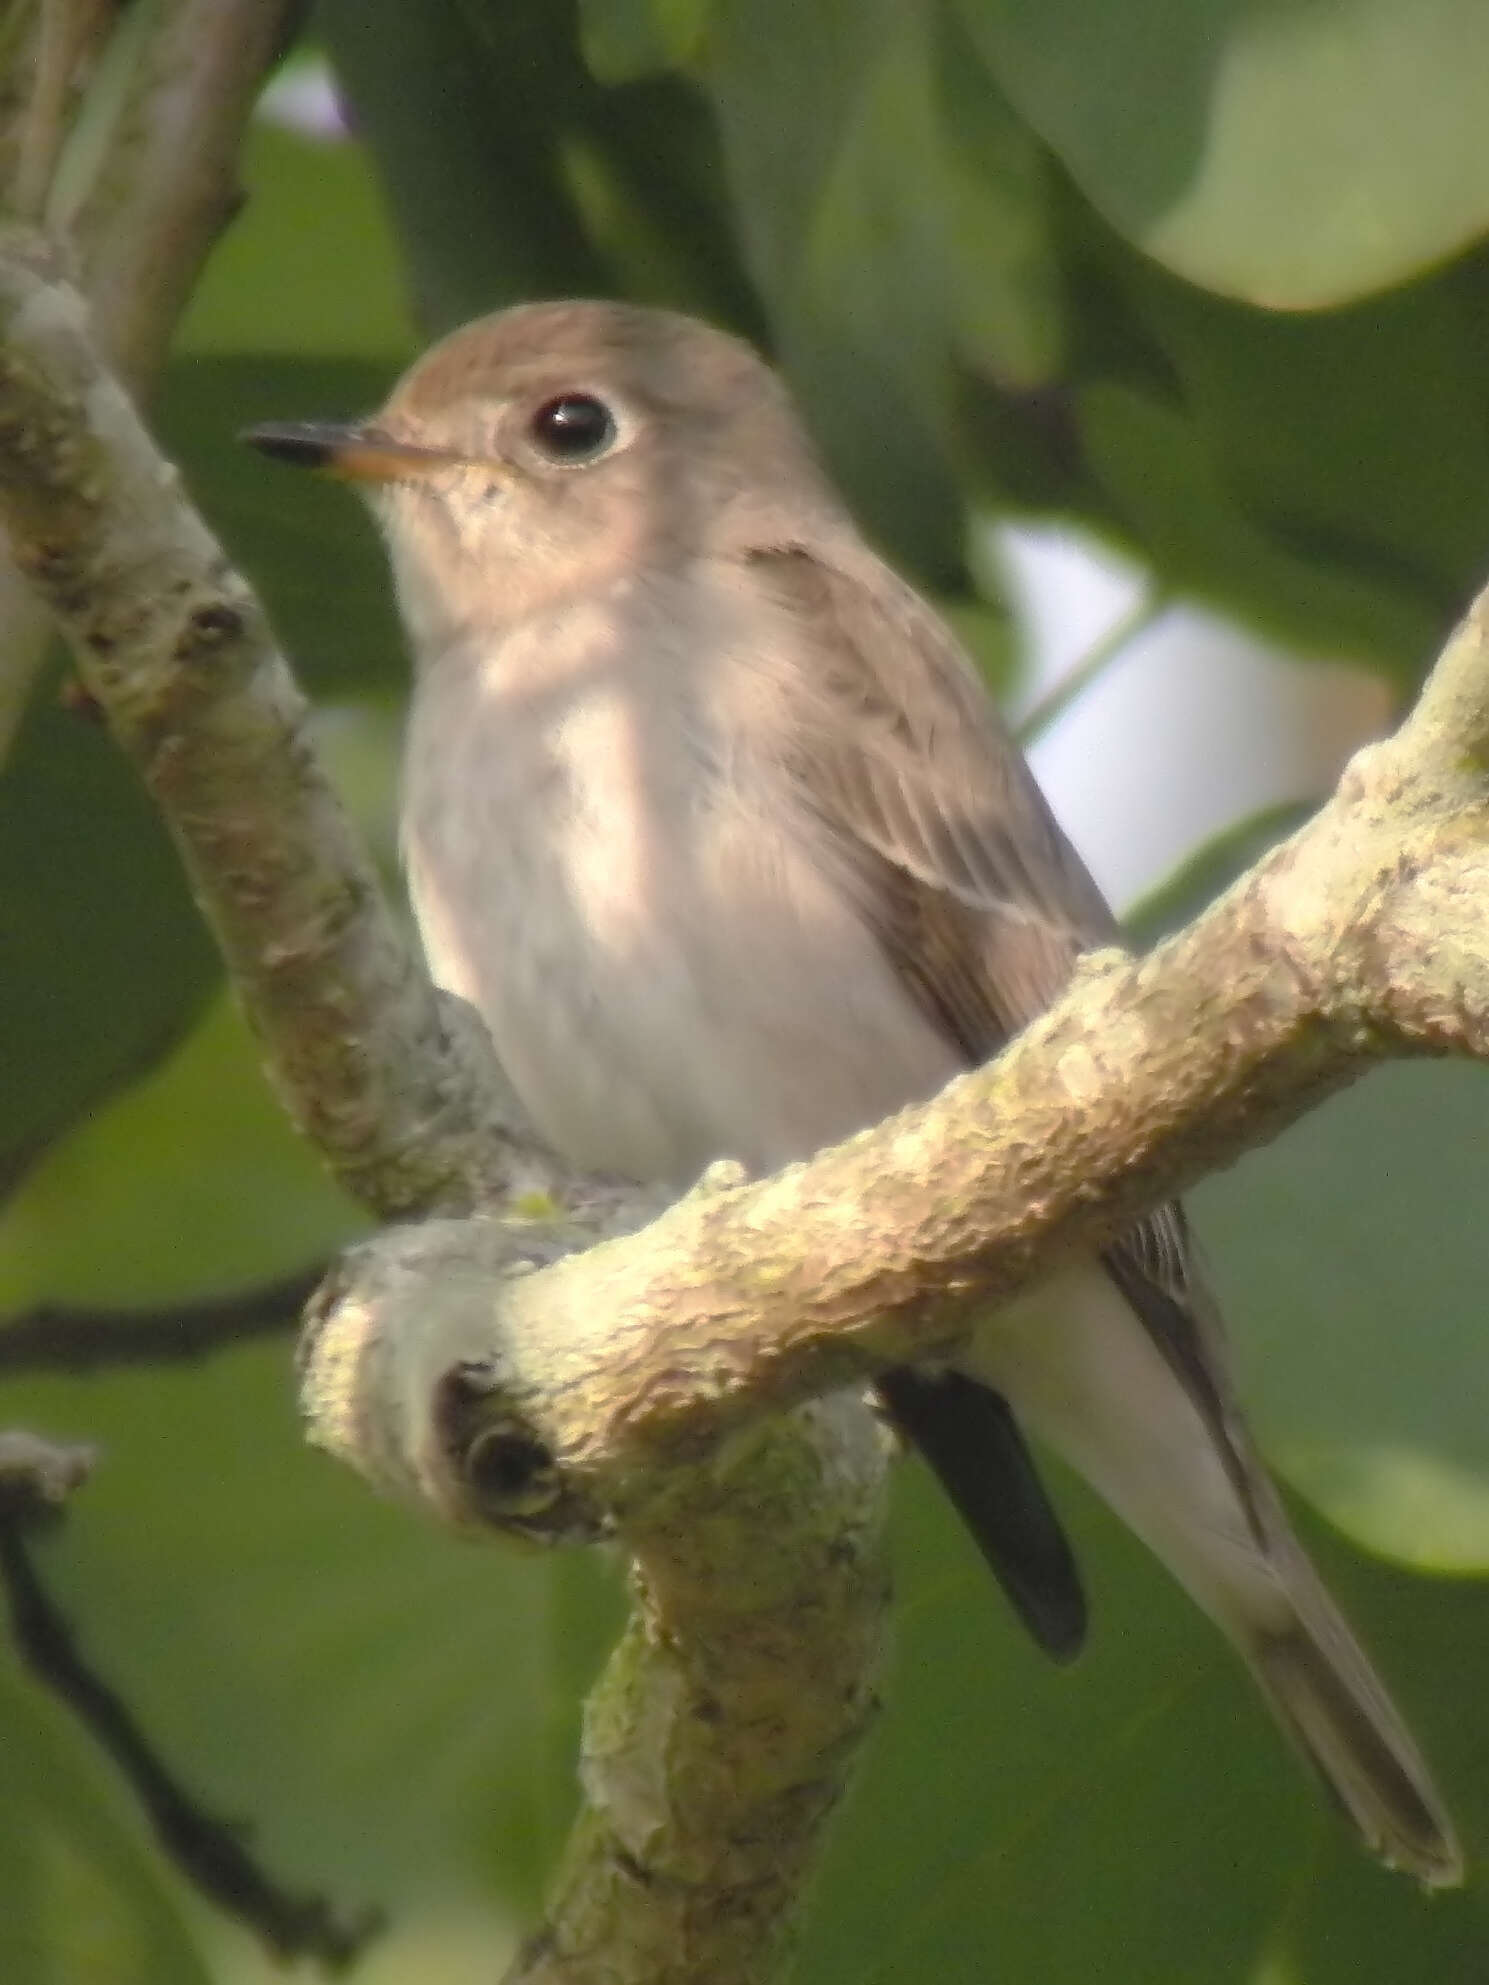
(1291, 153)
(308, 267)
(192, 1180)
(1211, 868)
(1352, 440)
(514, 174)
(391, 1710)
(466, 156)
(1004, 298)
(623, 39)
(1351, 1262)
(1324, 476)
(896, 226)
(103, 957)
(82, 1896)
(1135, 1818)
(1165, 483)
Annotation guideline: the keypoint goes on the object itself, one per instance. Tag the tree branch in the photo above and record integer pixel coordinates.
(502, 1380)
(82, 1337)
(177, 652)
(166, 184)
(162, 186)
(1363, 937)
(489, 1369)
(35, 1479)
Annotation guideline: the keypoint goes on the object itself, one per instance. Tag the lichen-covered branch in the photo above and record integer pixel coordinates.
(145, 217)
(166, 184)
(592, 1388)
(1363, 937)
(178, 653)
(724, 1729)
(722, 1733)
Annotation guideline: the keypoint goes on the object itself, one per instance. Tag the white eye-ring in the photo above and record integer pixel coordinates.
(573, 429)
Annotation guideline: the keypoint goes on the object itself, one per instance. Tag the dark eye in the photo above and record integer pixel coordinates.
(573, 427)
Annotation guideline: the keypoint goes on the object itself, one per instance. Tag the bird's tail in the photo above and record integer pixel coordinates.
(1083, 1370)
(1327, 1697)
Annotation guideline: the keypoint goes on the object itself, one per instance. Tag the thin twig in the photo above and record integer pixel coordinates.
(163, 186)
(209, 1851)
(71, 1337)
(1145, 613)
(67, 27)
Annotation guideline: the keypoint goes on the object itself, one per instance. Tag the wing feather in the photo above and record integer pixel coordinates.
(976, 896)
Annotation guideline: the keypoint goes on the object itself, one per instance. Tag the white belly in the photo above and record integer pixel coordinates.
(1081, 1372)
(665, 976)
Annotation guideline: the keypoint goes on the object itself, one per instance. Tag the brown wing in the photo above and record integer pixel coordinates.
(958, 865)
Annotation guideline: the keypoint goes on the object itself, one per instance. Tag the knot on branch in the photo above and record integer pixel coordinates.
(37, 1476)
(410, 1373)
(512, 1477)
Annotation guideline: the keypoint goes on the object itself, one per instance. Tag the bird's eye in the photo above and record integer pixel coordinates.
(573, 428)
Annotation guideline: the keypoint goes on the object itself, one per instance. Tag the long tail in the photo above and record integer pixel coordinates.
(1082, 1371)
(1327, 1697)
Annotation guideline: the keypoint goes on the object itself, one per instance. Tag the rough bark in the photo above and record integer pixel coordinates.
(177, 651)
(144, 219)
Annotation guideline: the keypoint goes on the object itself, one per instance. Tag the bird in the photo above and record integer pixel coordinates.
(711, 818)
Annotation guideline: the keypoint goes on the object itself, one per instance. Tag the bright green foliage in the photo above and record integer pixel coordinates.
(1358, 1291)
(84, 1900)
(1292, 153)
(1014, 256)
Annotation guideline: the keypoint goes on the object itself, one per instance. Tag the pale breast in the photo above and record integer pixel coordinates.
(600, 864)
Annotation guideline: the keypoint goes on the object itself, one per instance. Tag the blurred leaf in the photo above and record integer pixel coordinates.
(391, 1709)
(1165, 483)
(514, 174)
(307, 544)
(1357, 441)
(665, 228)
(193, 1180)
(1291, 153)
(623, 39)
(1135, 1819)
(1354, 1270)
(1210, 869)
(466, 157)
(894, 225)
(82, 1900)
(1004, 296)
(103, 958)
(308, 266)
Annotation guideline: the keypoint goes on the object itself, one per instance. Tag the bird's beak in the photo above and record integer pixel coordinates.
(353, 451)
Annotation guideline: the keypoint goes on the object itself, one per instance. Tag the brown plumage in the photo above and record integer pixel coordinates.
(710, 817)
